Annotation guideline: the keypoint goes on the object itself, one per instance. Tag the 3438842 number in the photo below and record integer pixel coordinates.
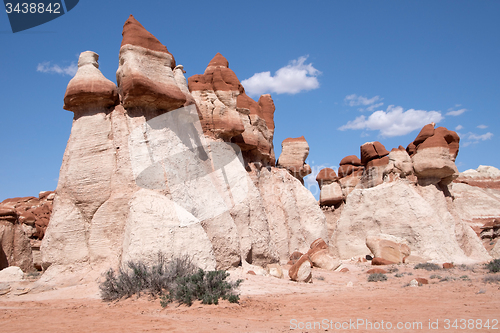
(33, 8)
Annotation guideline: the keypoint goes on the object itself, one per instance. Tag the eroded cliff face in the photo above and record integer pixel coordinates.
(152, 165)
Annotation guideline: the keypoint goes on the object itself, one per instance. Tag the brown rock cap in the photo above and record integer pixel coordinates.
(135, 34)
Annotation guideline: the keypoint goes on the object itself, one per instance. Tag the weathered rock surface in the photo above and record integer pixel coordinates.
(374, 158)
(89, 87)
(145, 76)
(166, 183)
(388, 247)
(331, 191)
(216, 93)
(23, 222)
(484, 176)
(302, 270)
(477, 201)
(294, 152)
(421, 215)
(399, 166)
(11, 274)
(433, 154)
(227, 113)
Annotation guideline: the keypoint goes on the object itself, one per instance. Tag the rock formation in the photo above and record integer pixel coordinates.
(23, 222)
(294, 152)
(228, 113)
(331, 192)
(476, 201)
(433, 154)
(171, 169)
(349, 173)
(374, 159)
(407, 194)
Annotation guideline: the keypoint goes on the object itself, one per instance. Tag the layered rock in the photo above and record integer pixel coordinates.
(477, 202)
(89, 88)
(145, 76)
(294, 152)
(331, 192)
(228, 113)
(484, 176)
(166, 183)
(349, 173)
(24, 221)
(374, 159)
(433, 154)
(216, 92)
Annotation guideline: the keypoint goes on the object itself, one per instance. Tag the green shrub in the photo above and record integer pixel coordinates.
(428, 266)
(493, 266)
(208, 287)
(136, 278)
(375, 277)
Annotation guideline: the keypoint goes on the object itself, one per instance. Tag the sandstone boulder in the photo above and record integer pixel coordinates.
(376, 271)
(275, 270)
(381, 261)
(302, 270)
(388, 247)
(11, 274)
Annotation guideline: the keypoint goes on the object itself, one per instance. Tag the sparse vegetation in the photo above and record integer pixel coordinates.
(491, 279)
(465, 278)
(177, 280)
(428, 266)
(321, 278)
(393, 269)
(464, 267)
(208, 287)
(447, 279)
(398, 275)
(435, 276)
(493, 266)
(375, 277)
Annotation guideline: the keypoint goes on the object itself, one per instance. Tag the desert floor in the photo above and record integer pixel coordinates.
(335, 301)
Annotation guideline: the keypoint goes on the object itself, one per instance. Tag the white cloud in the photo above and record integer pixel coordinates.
(395, 121)
(476, 138)
(372, 108)
(46, 67)
(482, 126)
(456, 112)
(458, 128)
(291, 79)
(355, 100)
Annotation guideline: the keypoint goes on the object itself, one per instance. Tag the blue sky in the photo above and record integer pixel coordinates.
(341, 73)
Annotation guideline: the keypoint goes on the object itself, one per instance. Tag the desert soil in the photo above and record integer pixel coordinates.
(335, 301)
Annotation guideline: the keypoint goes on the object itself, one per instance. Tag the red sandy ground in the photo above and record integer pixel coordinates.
(269, 304)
